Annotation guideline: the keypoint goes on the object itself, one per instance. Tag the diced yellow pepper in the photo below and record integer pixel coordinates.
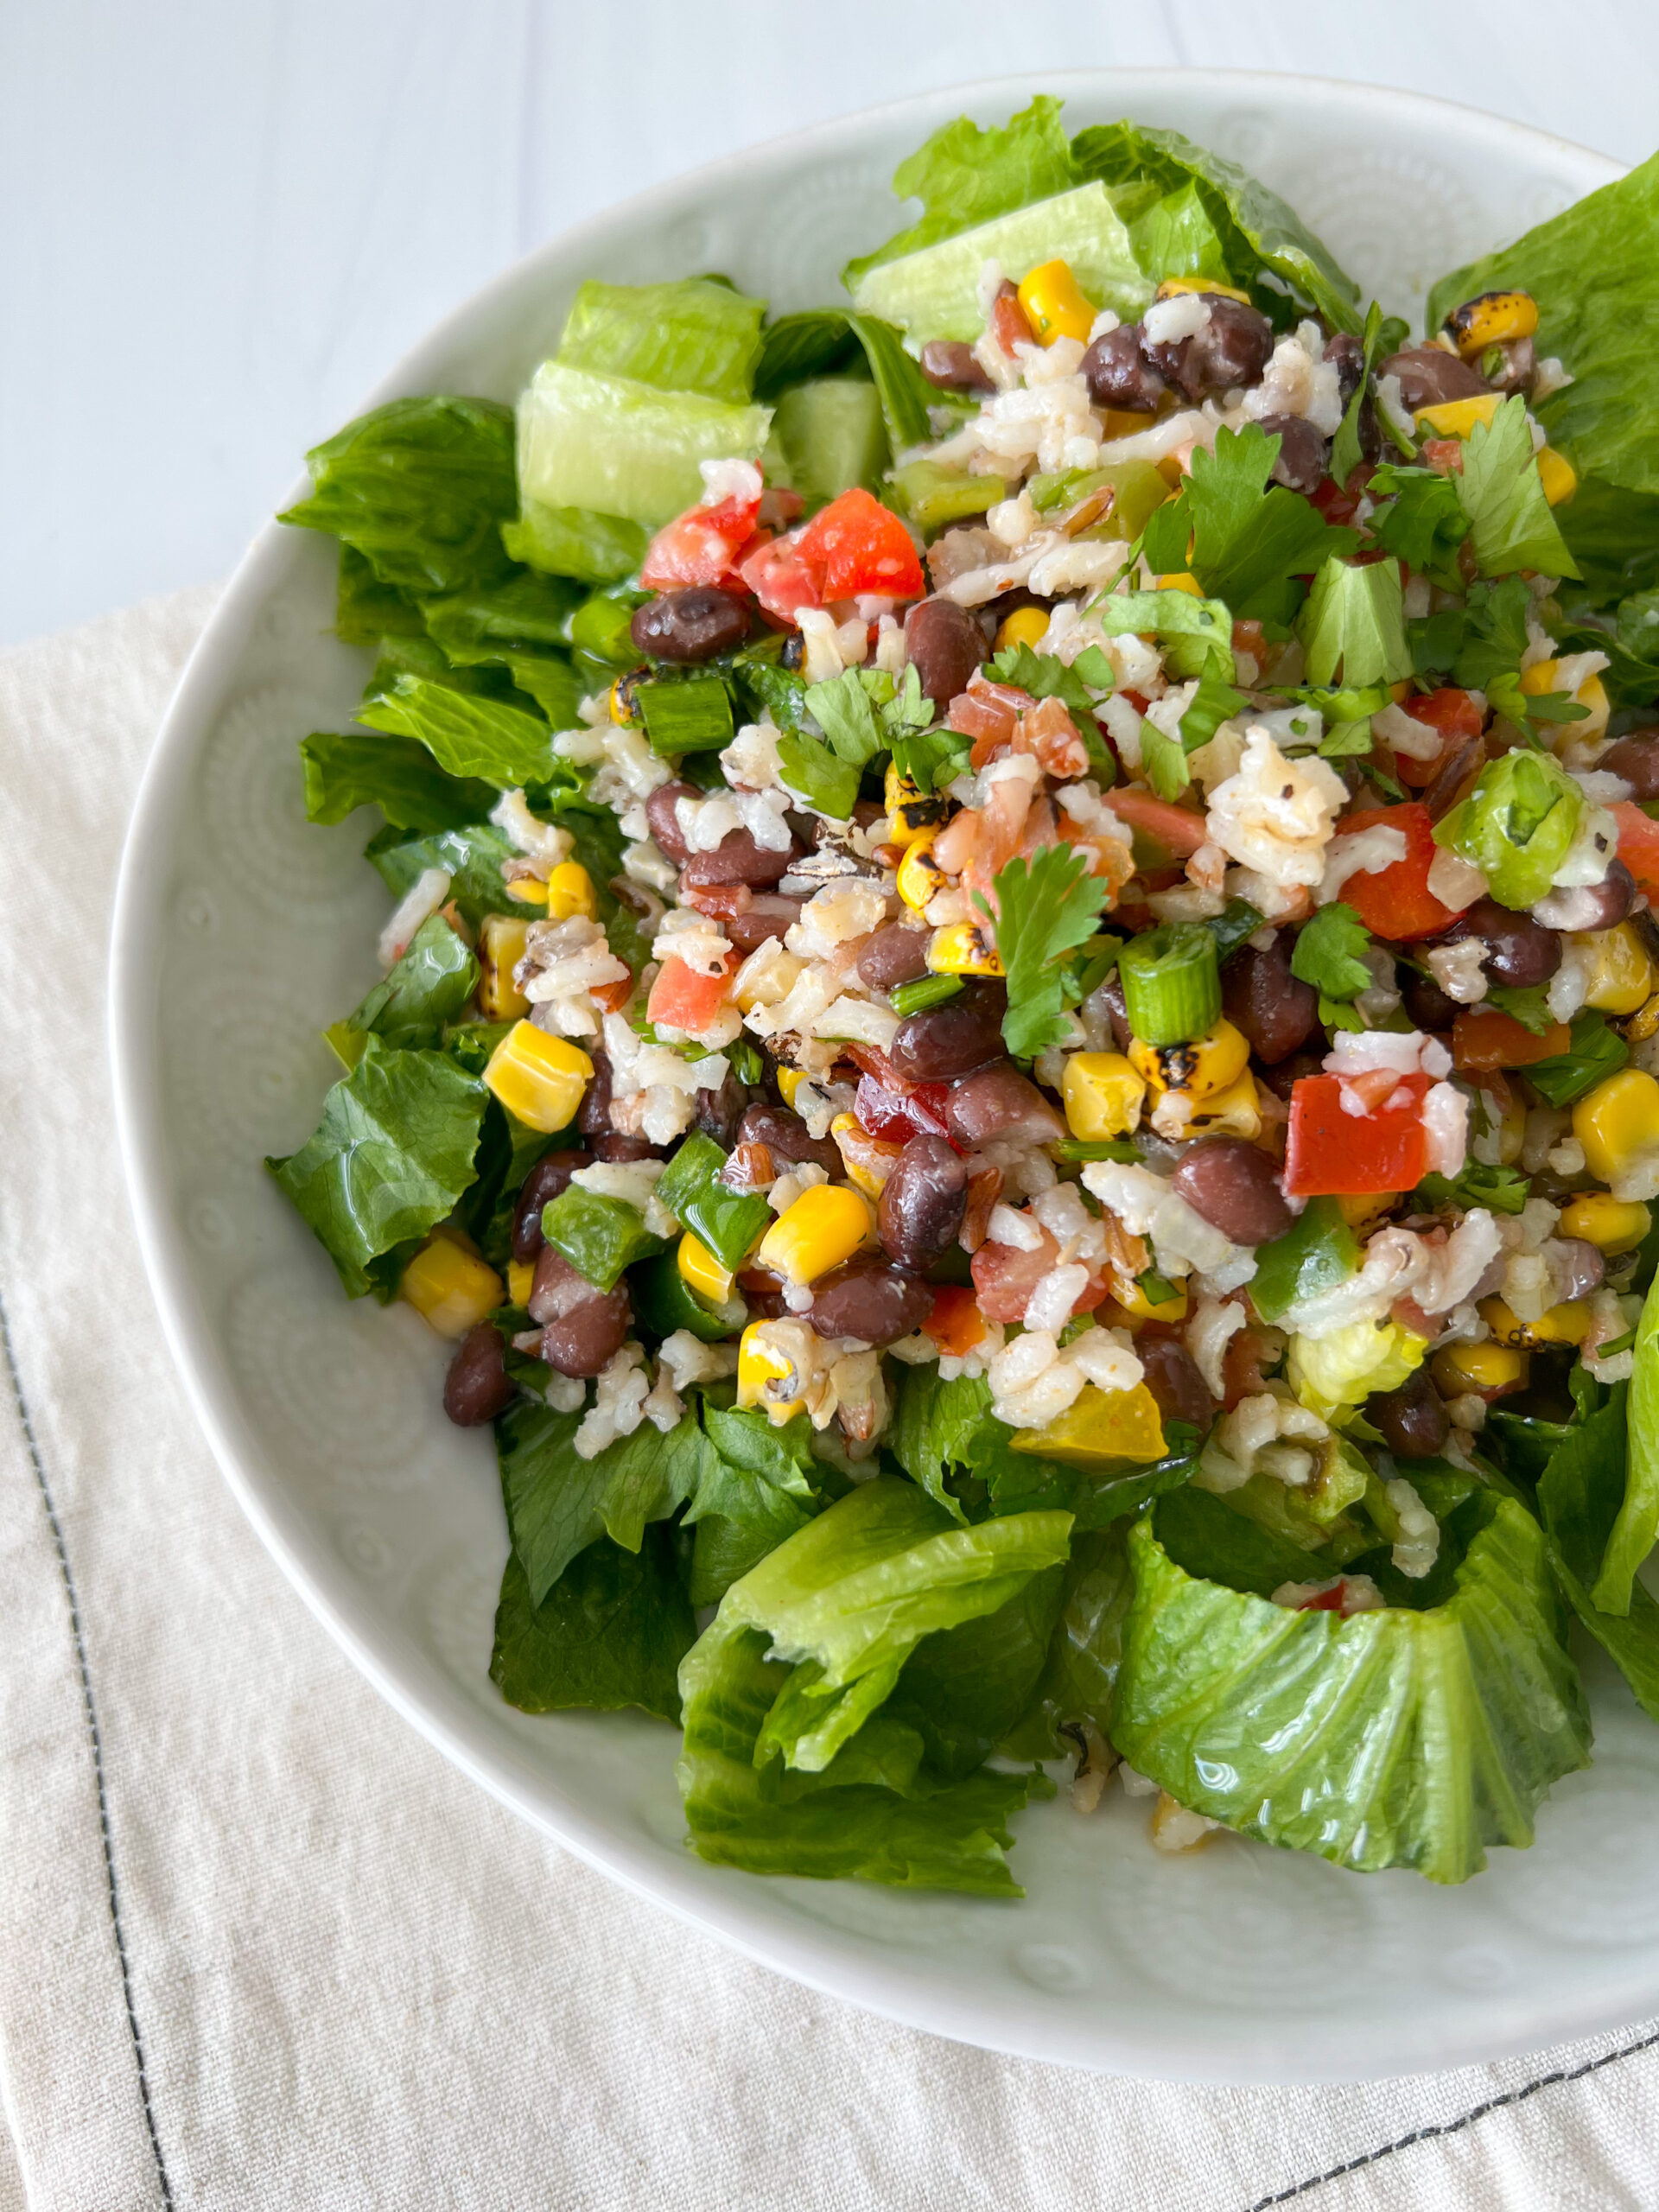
(1054, 306)
(963, 949)
(823, 1228)
(761, 1362)
(1099, 1426)
(1557, 476)
(539, 1079)
(500, 948)
(1455, 418)
(920, 877)
(1180, 581)
(1561, 1324)
(1618, 1125)
(701, 1271)
(528, 889)
(1198, 1069)
(1462, 1368)
(570, 890)
(1620, 973)
(1492, 319)
(1102, 1093)
(1172, 286)
(1027, 626)
(911, 813)
(789, 1082)
(521, 1280)
(1612, 1225)
(451, 1288)
(1134, 1301)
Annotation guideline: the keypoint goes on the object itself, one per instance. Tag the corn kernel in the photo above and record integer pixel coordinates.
(1172, 286)
(761, 1362)
(1545, 675)
(1455, 418)
(1181, 581)
(1557, 476)
(1620, 974)
(920, 877)
(823, 1228)
(701, 1272)
(1493, 319)
(1618, 1125)
(868, 1160)
(528, 890)
(1102, 1093)
(1644, 1023)
(1235, 1111)
(570, 890)
(500, 948)
(539, 1079)
(1054, 306)
(1136, 1304)
(624, 702)
(1612, 1225)
(1401, 691)
(1462, 1368)
(1027, 626)
(451, 1288)
(1561, 1324)
(1360, 1210)
(963, 949)
(911, 813)
(1198, 1069)
(521, 1280)
(789, 1082)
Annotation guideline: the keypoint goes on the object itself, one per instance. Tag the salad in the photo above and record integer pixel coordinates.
(1019, 1031)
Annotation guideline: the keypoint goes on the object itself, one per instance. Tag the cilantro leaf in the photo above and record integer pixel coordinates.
(1500, 1190)
(1244, 543)
(1045, 908)
(1382, 335)
(845, 710)
(1526, 1003)
(1329, 953)
(1196, 633)
(1047, 677)
(933, 758)
(1163, 757)
(1420, 519)
(1510, 524)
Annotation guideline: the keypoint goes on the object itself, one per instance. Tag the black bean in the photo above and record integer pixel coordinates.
(873, 1303)
(1173, 1376)
(896, 954)
(1605, 905)
(1577, 1269)
(949, 363)
(692, 624)
(923, 1201)
(593, 1114)
(945, 646)
(613, 1146)
(539, 1188)
(1303, 454)
(1429, 1006)
(1232, 349)
(1001, 1101)
(1109, 1004)
(1276, 1010)
(736, 859)
(477, 1387)
(1519, 951)
(1452, 774)
(664, 823)
(1235, 1187)
(768, 916)
(1428, 377)
(719, 1112)
(1346, 354)
(1119, 375)
(1634, 757)
(1411, 1420)
(942, 1042)
(581, 1328)
(786, 1136)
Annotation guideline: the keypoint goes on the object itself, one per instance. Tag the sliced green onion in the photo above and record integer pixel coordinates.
(933, 495)
(1617, 1344)
(923, 991)
(1119, 1148)
(1237, 921)
(1172, 983)
(695, 716)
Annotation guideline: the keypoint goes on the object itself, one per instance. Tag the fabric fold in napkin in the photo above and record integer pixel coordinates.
(261, 1947)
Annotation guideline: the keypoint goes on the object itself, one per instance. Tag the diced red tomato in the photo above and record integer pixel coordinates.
(1333, 1154)
(1444, 456)
(1324, 1601)
(782, 579)
(896, 1118)
(1333, 502)
(1395, 901)
(1638, 843)
(1004, 1279)
(1455, 715)
(857, 546)
(1483, 1037)
(956, 1325)
(1177, 829)
(682, 999)
(701, 546)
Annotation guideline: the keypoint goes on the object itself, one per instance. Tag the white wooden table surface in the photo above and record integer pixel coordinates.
(219, 223)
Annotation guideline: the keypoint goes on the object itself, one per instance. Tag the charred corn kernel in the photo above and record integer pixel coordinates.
(521, 1280)
(1620, 972)
(1140, 1307)
(701, 1271)
(1199, 1069)
(963, 949)
(1642, 1025)
(764, 1372)
(1455, 418)
(528, 890)
(1462, 1368)
(539, 1079)
(1561, 1324)
(1234, 1111)
(789, 1082)
(1557, 476)
(1179, 581)
(624, 700)
(911, 812)
(570, 890)
(1098, 1427)
(1102, 1093)
(1612, 1225)
(1054, 306)
(920, 877)
(1491, 319)
(1545, 675)
(1618, 1125)
(1172, 286)
(500, 948)
(1027, 626)
(868, 1160)
(1360, 1211)
(451, 1288)
(823, 1228)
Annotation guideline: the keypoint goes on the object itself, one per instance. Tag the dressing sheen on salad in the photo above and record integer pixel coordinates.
(1019, 1033)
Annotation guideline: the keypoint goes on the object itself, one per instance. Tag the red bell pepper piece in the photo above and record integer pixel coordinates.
(1333, 1154)
(1483, 1037)
(1396, 902)
(1455, 715)
(857, 546)
(699, 547)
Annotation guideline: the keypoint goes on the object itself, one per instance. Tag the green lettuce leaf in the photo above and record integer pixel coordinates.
(757, 1487)
(576, 542)
(610, 1632)
(420, 488)
(1510, 523)
(365, 609)
(427, 988)
(558, 1504)
(389, 1159)
(800, 346)
(623, 447)
(693, 335)
(964, 176)
(964, 1688)
(471, 857)
(1078, 1686)
(1176, 237)
(527, 614)
(1400, 1737)
(1580, 1494)
(1637, 1522)
(347, 769)
(469, 737)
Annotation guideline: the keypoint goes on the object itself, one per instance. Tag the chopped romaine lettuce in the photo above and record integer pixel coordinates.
(428, 988)
(1080, 1676)
(347, 769)
(1582, 1495)
(576, 542)
(1637, 1522)
(558, 1503)
(610, 1632)
(827, 435)
(468, 735)
(625, 447)
(695, 335)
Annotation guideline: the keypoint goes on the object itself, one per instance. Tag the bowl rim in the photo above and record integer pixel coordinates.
(810, 1952)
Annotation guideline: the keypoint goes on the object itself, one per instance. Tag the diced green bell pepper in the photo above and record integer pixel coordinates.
(1317, 1252)
(664, 1301)
(599, 1234)
(730, 1223)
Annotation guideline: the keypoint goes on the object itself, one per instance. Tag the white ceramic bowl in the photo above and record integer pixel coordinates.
(242, 931)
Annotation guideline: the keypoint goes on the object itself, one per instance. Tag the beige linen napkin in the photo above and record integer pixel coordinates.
(261, 1947)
